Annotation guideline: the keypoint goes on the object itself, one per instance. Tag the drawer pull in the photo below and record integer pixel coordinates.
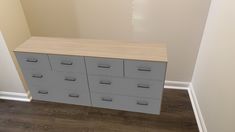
(145, 103)
(37, 76)
(105, 82)
(66, 62)
(146, 86)
(32, 60)
(107, 99)
(42, 92)
(146, 69)
(74, 95)
(104, 66)
(70, 79)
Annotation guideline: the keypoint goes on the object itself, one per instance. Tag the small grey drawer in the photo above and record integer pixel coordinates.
(69, 96)
(146, 70)
(33, 61)
(142, 105)
(126, 86)
(106, 101)
(135, 104)
(67, 63)
(104, 66)
(38, 77)
(41, 93)
(72, 81)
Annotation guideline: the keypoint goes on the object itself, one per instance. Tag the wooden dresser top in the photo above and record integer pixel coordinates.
(95, 48)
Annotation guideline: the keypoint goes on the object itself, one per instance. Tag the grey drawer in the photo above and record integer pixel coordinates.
(126, 86)
(135, 104)
(67, 63)
(41, 93)
(72, 81)
(74, 96)
(32, 61)
(39, 77)
(104, 66)
(146, 70)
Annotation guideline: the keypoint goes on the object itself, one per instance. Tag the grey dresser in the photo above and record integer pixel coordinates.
(99, 73)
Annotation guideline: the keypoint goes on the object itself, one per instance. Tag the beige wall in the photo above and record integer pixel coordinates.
(14, 28)
(179, 24)
(215, 68)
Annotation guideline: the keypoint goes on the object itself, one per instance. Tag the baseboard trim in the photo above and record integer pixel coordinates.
(24, 97)
(176, 85)
(196, 109)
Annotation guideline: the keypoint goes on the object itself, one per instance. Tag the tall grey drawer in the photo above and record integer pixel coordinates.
(71, 81)
(73, 96)
(32, 61)
(104, 66)
(135, 104)
(126, 86)
(146, 70)
(67, 63)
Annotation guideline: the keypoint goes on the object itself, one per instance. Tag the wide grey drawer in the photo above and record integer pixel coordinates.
(135, 104)
(67, 63)
(72, 96)
(126, 86)
(32, 61)
(104, 66)
(146, 70)
(71, 81)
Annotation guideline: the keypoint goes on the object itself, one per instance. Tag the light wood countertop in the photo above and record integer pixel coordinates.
(95, 48)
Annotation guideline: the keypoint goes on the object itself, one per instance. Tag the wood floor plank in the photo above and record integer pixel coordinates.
(38, 116)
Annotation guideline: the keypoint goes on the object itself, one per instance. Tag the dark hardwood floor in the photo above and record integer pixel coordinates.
(37, 116)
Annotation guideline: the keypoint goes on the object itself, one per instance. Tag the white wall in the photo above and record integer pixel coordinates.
(9, 79)
(214, 73)
(15, 30)
(178, 23)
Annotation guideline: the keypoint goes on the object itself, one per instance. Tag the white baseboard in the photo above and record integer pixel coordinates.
(25, 97)
(176, 85)
(196, 108)
(168, 84)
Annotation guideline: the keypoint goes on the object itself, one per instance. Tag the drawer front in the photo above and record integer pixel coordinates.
(41, 93)
(67, 63)
(69, 96)
(146, 70)
(105, 84)
(31, 61)
(103, 66)
(72, 81)
(135, 104)
(107, 101)
(126, 86)
(38, 77)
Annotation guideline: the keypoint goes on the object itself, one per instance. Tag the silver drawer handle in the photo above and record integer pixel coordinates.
(74, 95)
(42, 92)
(37, 76)
(70, 79)
(146, 86)
(146, 69)
(105, 82)
(32, 60)
(66, 62)
(145, 103)
(107, 99)
(104, 66)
